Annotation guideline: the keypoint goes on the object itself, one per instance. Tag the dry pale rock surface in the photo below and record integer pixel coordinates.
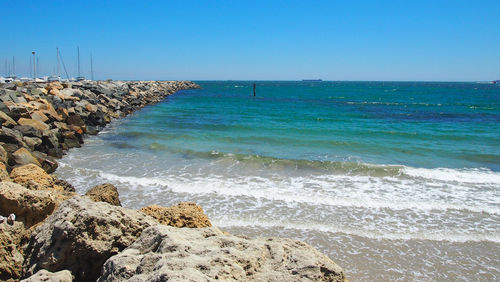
(23, 156)
(186, 254)
(81, 235)
(104, 193)
(184, 214)
(4, 175)
(47, 276)
(34, 177)
(29, 206)
(4, 158)
(11, 256)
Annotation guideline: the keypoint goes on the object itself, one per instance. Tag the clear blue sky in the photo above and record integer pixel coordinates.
(261, 40)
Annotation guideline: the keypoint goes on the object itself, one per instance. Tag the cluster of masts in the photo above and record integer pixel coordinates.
(34, 70)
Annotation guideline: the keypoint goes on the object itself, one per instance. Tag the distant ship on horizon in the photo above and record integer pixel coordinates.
(312, 79)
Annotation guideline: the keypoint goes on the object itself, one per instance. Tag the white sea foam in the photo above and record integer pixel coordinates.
(453, 236)
(425, 204)
(364, 191)
(138, 182)
(478, 176)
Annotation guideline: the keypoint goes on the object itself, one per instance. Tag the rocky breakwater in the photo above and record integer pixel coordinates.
(54, 234)
(39, 122)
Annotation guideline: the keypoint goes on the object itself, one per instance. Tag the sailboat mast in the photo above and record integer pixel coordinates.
(78, 52)
(34, 65)
(64, 66)
(13, 65)
(91, 67)
(58, 64)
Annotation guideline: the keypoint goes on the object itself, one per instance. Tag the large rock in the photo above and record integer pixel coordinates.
(75, 119)
(104, 193)
(47, 276)
(184, 254)
(70, 140)
(182, 215)
(4, 157)
(32, 142)
(81, 235)
(42, 126)
(7, 121)
(8, 135)
(70, 92)
(35, 178)
(27, 130)
(12, 238)
(23, 157)
(49, 164)
(29, 206)
(40, 116)
(67, 187)
(4, 175)
(54, 85)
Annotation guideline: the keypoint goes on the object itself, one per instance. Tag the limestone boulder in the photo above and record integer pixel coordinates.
(10, 136)
(34, 177)
(29, 206)
(54, 92)
(67, 187)
(12, 238)
(24, 157)
(74, 119)
(206, 254)
(49, 111)
(34, 123)
(81, 235)
(91, 108)
(32, 142)
(17, 111)
(70, 92)
(70, 140)
(184, 214)
(7, 121)
(104, 193)
(4, 157)
(4, 175)
(49, 164)
(40, 116)
(54, 85)
(47, 276)
(27, 130)
(37, 92)
(50, 142)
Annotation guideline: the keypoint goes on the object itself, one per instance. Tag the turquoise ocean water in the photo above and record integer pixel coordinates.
(393, 180)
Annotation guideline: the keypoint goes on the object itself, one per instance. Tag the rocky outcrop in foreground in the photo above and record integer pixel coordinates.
(47, 276)
(81, 235)
(181, 254)
(49, 233)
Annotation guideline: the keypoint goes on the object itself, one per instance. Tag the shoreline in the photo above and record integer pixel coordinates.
(40, 122)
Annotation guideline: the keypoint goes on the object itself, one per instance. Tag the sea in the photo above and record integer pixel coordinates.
(394, 181)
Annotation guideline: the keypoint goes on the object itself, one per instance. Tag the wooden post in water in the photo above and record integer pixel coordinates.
(254, 87)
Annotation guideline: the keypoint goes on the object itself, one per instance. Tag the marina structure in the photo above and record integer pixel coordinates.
(79, 77)
(33, 73)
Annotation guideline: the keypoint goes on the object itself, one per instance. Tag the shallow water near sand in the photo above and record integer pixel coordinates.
(392, 180)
